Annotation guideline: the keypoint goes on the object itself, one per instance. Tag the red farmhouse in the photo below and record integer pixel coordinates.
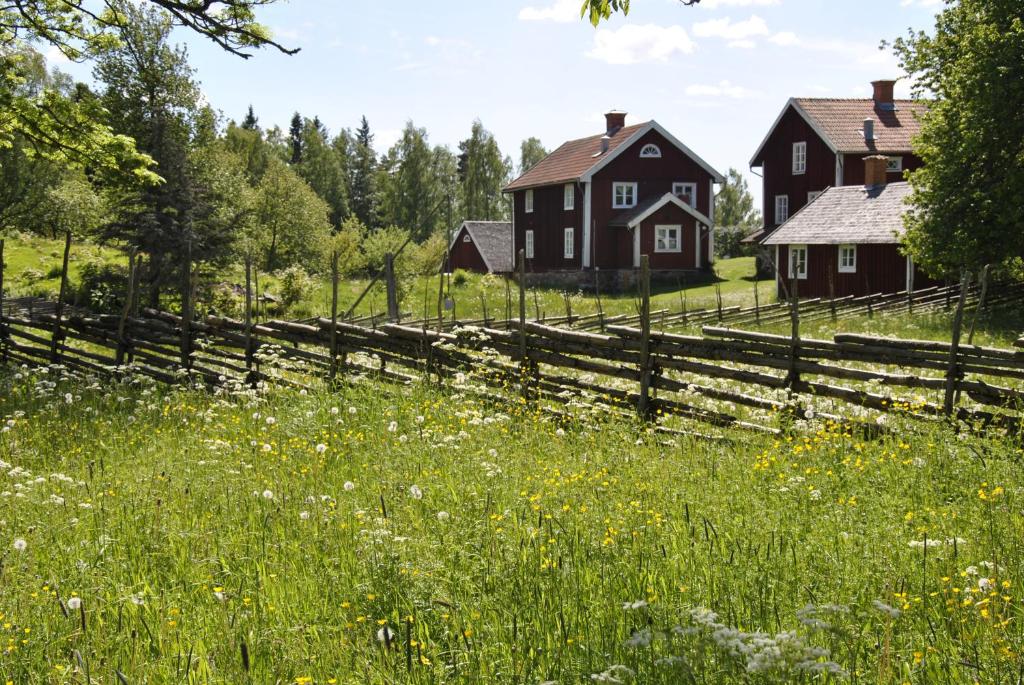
(846, 241)
(596, 204)
(816, 143)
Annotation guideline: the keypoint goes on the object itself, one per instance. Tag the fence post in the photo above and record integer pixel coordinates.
(392, 287)
(122, 342)
(643, 404)
(186, 309)
(334, 314)
(59, 311)
(597, 293)
(793, 376)
(249, 356)
(981, 302)
(953, 370)
(3, 325)
(757, 298)
(832, 294)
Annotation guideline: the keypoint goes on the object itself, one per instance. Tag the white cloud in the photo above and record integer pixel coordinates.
(920, 3)
(743, 44)
(636, 43)
(454, 50)
(727, 30)
(714, 4)
(785, 38)
(723, 89)
(561, 11)
(865, 54)
(54, 57)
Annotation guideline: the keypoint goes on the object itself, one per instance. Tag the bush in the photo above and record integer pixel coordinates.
(296, 285)
(102, 287)
(225, 300)
(459, 278)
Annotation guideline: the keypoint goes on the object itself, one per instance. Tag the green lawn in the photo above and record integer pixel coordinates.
(377, 534)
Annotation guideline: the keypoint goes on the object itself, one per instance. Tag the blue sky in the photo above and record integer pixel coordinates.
(716, 75)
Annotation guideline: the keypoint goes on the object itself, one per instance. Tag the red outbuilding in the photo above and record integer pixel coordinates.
(482, 246)
(847, 241)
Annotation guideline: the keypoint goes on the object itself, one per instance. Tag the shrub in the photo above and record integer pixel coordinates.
(102, 287)
(460, 278)
(296, 285)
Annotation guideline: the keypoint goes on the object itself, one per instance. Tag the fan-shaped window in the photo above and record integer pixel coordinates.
(650, 150)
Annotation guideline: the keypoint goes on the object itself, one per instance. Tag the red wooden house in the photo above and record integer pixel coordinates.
(816, 143)
(596, 204)
(481, 246)
(847, 240)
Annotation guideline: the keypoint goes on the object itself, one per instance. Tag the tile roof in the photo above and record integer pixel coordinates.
(493, 239)
(571, 159)
(842, 122)
(847, 214)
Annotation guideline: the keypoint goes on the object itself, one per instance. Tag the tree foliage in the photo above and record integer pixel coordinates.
(483, 172)
(414, 182)
(362, 169)
(734, 205)
(966, 200)
(531, 151)
(71, 130)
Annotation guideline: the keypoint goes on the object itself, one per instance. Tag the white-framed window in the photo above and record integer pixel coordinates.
(781, 208)
(685, 191)
(800, 157)
(798, 261)
(894, 164)
(650, 151)
(529, 244)
(847, 259)
(570, 243)
(528, 201)
(811, 196)
(467, 239)
(569, 196)
(623, 195)
(668, 238)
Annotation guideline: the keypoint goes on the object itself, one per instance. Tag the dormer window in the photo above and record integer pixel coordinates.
(687, 192)
(799, 157)
(650, 151)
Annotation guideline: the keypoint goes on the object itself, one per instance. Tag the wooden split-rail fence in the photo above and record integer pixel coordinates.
(723, 377)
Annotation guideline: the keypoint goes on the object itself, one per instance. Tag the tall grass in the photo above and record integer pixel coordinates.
(383, 534)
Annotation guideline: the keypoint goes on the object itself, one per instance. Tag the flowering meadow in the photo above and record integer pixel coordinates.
(379, 533)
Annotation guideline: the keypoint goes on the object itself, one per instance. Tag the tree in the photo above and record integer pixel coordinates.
(251, 122)
(531, 151)
(292, 224)
(321, 167)
(599, 10)
(362, 170)
(483, 172)
(73, 131)
(734, 205)
(414, 183)
(295, 138)
(965, 200)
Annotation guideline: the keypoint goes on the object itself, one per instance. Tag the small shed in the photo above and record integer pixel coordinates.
(670, 231)
(482, 246)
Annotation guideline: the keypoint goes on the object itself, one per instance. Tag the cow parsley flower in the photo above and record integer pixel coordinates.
(415, 492)
(267, 494)
(349, 486)
(75, 603)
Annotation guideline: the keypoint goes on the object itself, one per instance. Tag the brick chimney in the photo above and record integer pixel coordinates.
(614, 120)
(875, 171)
(883, 95)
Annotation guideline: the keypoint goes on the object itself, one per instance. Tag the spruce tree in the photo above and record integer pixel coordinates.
(250, 123)
(362, 170)
(295, 137)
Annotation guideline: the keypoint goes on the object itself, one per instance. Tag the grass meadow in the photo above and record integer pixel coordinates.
(377, 533)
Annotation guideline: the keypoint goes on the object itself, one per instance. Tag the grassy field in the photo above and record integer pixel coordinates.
(381, 534)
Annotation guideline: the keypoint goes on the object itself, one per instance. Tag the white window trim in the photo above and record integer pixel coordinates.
(466, 238)
(615, 187)
(679, 189)
(852, 269)
(674, 228)
(802, 275)
(650, 151)
(778, 205)
(569, 242)
(528, 246)
(800, 158)
(528, 201)
(894, 165)
(568, 197)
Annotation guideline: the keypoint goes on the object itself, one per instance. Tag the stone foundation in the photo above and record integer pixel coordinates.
(613, 280)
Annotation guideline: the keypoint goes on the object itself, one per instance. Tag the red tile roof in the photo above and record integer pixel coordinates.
(571, 160)
(842, 122)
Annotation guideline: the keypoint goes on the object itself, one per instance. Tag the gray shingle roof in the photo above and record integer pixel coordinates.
(494, 241)
(847, 214)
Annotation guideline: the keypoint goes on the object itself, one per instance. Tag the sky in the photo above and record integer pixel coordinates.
(716, 75)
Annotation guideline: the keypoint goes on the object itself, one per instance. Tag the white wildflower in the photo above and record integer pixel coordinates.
(267, 494)
(75, 603)
(415, 492)
(349, 486)
(20, 545)
(321, 448)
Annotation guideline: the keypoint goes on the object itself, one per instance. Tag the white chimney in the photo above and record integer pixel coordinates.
(605, 139)
(869, 130)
